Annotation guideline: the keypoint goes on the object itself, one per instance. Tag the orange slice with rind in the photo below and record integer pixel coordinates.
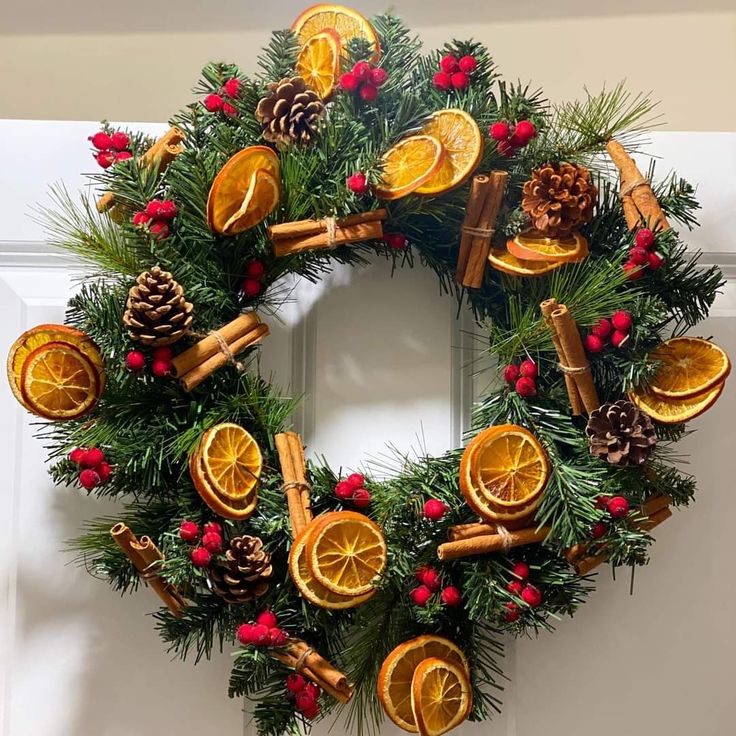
(503, 261)
(441, 696)
(676, 411)
(537, 247)
(318, 63)
(232, 460)
(260, 200)
(408, 164)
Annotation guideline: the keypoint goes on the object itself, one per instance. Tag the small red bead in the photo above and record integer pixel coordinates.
(141, 218)
(515, 587)
(524, 131)
(430, 578)
(395, 241)
(246, 636)
(618, 507)
(449, 64)
(304, 699)
(598, 530)
(655, 261)
(593, 343)
(512, 612)
(212, 542)
(525, 387)
(161, 368)
(153, 209)
(314, 689)
(168, 210)
(255, 270)
(442, 81)
(277, 637)
(357, 183)
(267, 618)
(362, 71)
(368, 92)
(499, 131)
(529, 369)
(378, 77)
(434, 509)
(93, 457)
(349, 82)
(105, 159)
(164, 352)
(640, 256)
(101, 141)
(188, 531)
(213, 102)
(362, 498)
(77, 454)
(621, 320)
(619, 338)
(510, 373)
(460, 80)
(251, 288)
(356, 480)
(119, 140)
(520, 570)
(295, 682)
(160, 230)
(212, 526)
(261, 635)
(200, 557)
(467, 64)
(230, 110)
(451, 596)
(232, 87)
(343, 490)
(135, 361)
(104, 470)
(602, 328)
(644, 238)
(531, 595)
(633, 272)
(420, 595)
(89, 479)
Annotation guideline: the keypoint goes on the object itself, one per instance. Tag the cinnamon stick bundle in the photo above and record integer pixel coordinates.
(486, 543)
(298, 655)
(484, 203)
(159, 155)
(219, 347)
(294, 237)
(641, 208)
(294, 471)
(146, 557)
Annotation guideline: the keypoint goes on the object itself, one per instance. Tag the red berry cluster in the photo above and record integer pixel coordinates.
(209, 541)
(523, 377)
(305, 694)
(263, 632)
(454, 73)
(135, 361)
(510, 138)
(156, 218)
(614, 330)
(255, 272)
(434, 509)
(353, 489)
(520, 587)
(94, 470)
(430, 582)
(364, 80)
(642, 255)
(111, 147)
(216, 102)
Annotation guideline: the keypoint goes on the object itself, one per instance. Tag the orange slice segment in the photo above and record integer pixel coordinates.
(347, 22)
(346, 552)
(536, 247)
(309, 587)
(232, 185)
(59, 382)
(460, 135)
(260, 200)
(232, 460)
(689, 366)
(509, 264)
(394, 684)
(675, 411)
(441, 697)
(318, 63)
(408, 164)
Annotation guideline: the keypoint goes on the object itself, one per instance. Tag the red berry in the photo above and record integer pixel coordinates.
(525, 387)
(161, 368)
(602, 328)
(261, 635)
(621, 320)
(520, 570)
(644, 238)
(200, 557)
(430, 578)
(451, 596)
(633, 272)
(163, 353)
(512, 612)
(232, 87)
(529, 369)
(619, 338)
(421, 571)
(295, 682)
(159, 230)
(524, 131)
(343, 490)
(598, 530)
(267, 618)
(104, 470)
(618, 507)
(510, 373)
(655, 261)
(460, 80)
(255, 270)
(135, 361)
(77, 454)
(312, 711)
(355, 480)
(442, 81)
(230, 110)
(101, 141)
(602, 501)
(434, 509)
(531, 595)
(212, 542)
(357, 183)
(506, 149)
(304, 699)
(467, 64)
(89, 479)
(499, 131)
(515, 587)
(640, 256)
(449, 64)
(251, 288)
(93, 457)
(188, 531)
(123, 156)
(141, 218)
(212, 527)
(213, 103)
(349, 82)
(593, 343)
(378, 77)
(246, 636)
(368, 92)
(119, 140)
(395, 241)
(277, 637)
(168, 210)
(362, 498)
(314, 689)
(420, 595)
(362, 71)
(105, 159)
(153, 209)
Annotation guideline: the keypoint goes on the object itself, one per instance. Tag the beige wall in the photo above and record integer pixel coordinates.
(81, 71)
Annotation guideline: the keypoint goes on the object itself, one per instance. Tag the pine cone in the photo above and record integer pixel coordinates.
(621, 434)
(559, 199)
(244, 573)
(157, 312)
(289, 114)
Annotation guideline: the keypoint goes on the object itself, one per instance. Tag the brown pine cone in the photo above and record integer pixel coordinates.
(559, 199)
(621, 434)
(244, 573)
(290, 112)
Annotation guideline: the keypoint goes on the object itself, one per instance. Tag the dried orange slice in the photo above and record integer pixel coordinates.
(232, 460)
(689, 366)
(347, 22)
(59, 382)
(346, 552)
(507, 263)
(460, 135)
(537, 247)
(394, 684)
(239, 200)
(441, 697)
(408, 164)
(318, 63)
(309, 587)
(675, 411)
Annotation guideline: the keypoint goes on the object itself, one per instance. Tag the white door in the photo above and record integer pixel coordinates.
(381, 361)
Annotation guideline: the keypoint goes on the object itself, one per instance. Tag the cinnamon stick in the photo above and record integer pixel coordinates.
(293, 469)
(145, 556)
(487, 543)
(575, 358)
(548, 306)
(470, 531)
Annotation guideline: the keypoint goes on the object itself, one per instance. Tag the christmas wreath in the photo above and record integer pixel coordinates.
(368, 590)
